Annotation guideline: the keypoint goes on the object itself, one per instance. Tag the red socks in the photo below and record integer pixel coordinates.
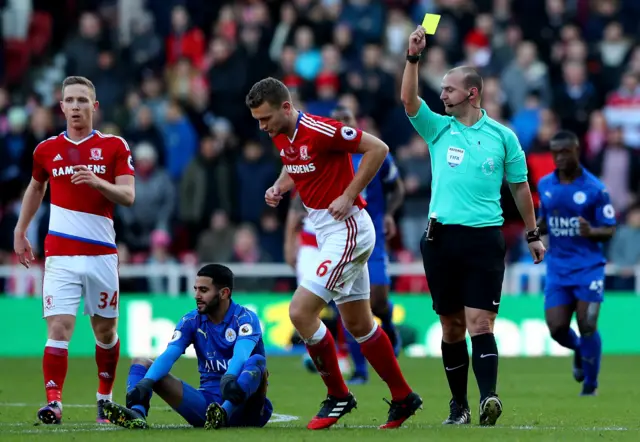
(54, 368)
(379, 352)
(325, 358)
(107, 362)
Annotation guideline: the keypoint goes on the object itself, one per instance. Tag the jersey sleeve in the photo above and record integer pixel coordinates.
(605, 213)
(515, 163)
(38, 171)
(249, 327)
(427, 123)
(333, 135)
(124, 160)
(184, 333)
(389, 171)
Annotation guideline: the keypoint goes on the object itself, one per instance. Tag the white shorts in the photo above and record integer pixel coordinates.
(340, 270)
(69, 278)
(306, 259)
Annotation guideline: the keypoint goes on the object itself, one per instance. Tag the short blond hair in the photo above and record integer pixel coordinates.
(75, 79)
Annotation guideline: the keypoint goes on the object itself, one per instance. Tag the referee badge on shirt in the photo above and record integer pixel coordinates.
(455, 155)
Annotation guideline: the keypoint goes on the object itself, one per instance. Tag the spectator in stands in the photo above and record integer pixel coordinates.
(624, 251)
(255, 172)
(413, 162)
(160, 243)
(246, 250)
(207, 186)
(155, 200)
(180, 137)
(619, 169)
(215, 244)
(525, 74)
(185, 40)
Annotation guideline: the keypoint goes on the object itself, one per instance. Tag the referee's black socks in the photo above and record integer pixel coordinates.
(485, 363)
(456, 365)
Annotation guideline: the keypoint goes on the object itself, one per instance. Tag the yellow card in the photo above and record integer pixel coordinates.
(430, 23)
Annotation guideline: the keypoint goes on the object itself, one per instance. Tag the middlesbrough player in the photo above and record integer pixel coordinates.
(383, 195)
(316, 152)
(88, 173)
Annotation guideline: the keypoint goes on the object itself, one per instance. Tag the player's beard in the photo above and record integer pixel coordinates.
(212, 306)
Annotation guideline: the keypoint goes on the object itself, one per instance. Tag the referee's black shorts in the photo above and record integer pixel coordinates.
(464, 267)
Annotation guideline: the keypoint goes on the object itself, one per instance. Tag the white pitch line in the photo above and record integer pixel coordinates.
(275, 417)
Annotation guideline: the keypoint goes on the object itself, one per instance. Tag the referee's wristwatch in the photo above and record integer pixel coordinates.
(533, 235)
(413, 58)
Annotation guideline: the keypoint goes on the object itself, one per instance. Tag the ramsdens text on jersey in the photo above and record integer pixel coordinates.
(68, 170)
(300, 168)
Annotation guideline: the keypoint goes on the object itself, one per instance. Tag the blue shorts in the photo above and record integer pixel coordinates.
(195, 402)
(379, 267)
(556, 294)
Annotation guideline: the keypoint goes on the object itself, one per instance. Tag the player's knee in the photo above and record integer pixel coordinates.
(558, 331)
(145, 362)
(586, 327)
(257, 361)
(379, 301)
(454, 328)
(60, 328)
(105, 331)
(358, 326)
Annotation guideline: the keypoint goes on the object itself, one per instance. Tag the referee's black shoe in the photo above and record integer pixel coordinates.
(490, 410)
(459, 414)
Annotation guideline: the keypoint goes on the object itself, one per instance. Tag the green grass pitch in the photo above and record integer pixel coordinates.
(541, 403)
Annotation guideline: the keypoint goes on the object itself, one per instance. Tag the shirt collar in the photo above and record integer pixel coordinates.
(483, 119)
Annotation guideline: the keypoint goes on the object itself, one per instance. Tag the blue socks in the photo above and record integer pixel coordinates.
(136, 374)
(359, 361)
(591, 351)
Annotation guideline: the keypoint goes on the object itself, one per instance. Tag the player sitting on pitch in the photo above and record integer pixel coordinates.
(233, 370)
(576, 212)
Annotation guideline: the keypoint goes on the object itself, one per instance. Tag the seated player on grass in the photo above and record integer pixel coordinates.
(233, 369)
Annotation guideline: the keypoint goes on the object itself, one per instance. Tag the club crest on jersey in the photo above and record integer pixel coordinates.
(304, 154)
(48, 302)
(96, 154)
(348, 133)
(579, 197)
(230, 335)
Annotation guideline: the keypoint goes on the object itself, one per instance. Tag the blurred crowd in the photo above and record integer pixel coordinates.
(171, 77)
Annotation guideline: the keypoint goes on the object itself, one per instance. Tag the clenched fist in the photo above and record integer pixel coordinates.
(417, 41)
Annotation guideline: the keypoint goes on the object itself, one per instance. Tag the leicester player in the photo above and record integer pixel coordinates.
(576, 213)
(384, 195)
(233, 374)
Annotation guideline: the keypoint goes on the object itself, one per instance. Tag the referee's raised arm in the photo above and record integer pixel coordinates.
(409, 91)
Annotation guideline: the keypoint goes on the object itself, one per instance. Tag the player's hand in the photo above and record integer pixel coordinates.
(82, 175)
(585, 227)
(340, 207)
(417, 41)
(140, 394)
(273, 196)
(390, 229)
(22, 247)
(231, 390)
(537, 250)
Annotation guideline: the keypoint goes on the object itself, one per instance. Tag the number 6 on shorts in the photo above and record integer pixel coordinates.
(323, 268)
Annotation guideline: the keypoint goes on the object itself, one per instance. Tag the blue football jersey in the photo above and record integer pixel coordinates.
(374, 193)
(573, 259)
(214, 343)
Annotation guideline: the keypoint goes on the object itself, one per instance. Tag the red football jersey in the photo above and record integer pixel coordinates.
(81, 218)
(318, 159)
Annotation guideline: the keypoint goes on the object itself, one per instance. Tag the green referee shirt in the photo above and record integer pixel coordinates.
(468, 166)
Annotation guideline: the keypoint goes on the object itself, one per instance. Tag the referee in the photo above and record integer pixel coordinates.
(463, 249)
